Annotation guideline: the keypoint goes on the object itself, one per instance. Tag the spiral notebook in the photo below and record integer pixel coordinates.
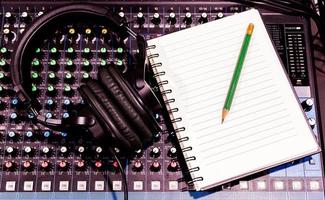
(265, 126)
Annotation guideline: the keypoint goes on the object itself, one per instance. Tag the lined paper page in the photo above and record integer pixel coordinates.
(265, 125)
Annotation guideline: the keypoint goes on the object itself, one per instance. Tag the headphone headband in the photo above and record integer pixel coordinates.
(46, 21)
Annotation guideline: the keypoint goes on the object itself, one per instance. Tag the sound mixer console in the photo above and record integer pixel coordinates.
(39, 163)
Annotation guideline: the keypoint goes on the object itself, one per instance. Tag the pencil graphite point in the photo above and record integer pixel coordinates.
(224, 115)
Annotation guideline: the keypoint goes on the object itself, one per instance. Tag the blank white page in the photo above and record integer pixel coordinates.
(265, 126)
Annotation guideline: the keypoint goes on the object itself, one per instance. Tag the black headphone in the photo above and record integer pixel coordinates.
(117, 109)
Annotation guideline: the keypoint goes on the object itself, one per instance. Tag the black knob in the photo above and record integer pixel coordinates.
(9, 165)
(64, 151)
(140, 18)
(155, 152)
(156, 19)
(28, 165)
(12, 136)
(312, 122)
(155, 166)
(80, 165)
(203, 18)
(51, 90)
(50, 104)
(86, 53)
(70, 52)
(137, 166)
(52, 78)
(172, 166)
(98, 165)
(11, 151)
(67, 90)
(28, 151)
(81, 150)
(53, 65)
(188, 18)
(46, 151)
(45, 165)
(219, 15)
(70, 66)
(72, 34)
(171, 18)
(69, 78)
(25, 17)
(307, 105)
(172, 152)
(10, 18)
(63, 165)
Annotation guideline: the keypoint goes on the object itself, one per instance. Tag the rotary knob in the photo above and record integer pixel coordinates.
(172, 166)
(155, 166)
(63, 165)
(307, 105)
(45, 165)
(156, 19)
(172, 152)
(171, 18)
(137, 166)
(188, 18)
(46, 151)
(9, 165)
(204, 18)
(140, 18)
(155, 152)
(80, 165)
(28, 165)
(28, 151)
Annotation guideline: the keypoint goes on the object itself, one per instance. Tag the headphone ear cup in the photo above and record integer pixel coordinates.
(123, 95)
(110, 116)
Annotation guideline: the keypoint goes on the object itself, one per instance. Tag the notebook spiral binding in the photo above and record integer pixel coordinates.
(158, 74)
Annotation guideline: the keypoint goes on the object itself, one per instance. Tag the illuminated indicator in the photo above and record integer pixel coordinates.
(52, 62)
(103, 62)
(86, 50)
(51, 75)
(104, 31)
(50, 88)
(72, 31)
(34, 75)
(119, 62)
(34, 88)
(38, 50)
(88, 31)
(119, 50)
(54, 50)
(70, 50)
(103, 50)
(3, 50)
(35, 62)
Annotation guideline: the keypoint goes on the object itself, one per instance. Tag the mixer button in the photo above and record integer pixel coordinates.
(46, 186)
(188, 18)
(173, 185)
(28, 185)
(10, 186)
(314, 185)
(99, 185)
(155, 185)
(278, 185)
(243, 185)
(64, 185)
(117, 185)
(138, 185)
(156, 19)
(140, 18)
(296, 185)
(81, 185)
(155, 152)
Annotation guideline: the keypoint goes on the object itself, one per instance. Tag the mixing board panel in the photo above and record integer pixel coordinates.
(38, 163)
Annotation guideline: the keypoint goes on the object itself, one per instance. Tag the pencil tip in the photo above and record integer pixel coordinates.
(224, 114)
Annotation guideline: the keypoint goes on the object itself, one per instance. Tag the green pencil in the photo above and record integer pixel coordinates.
(235, 77)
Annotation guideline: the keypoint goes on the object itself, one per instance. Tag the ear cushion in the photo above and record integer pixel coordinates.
(123, 100)
(110, 116)
(135, 100)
